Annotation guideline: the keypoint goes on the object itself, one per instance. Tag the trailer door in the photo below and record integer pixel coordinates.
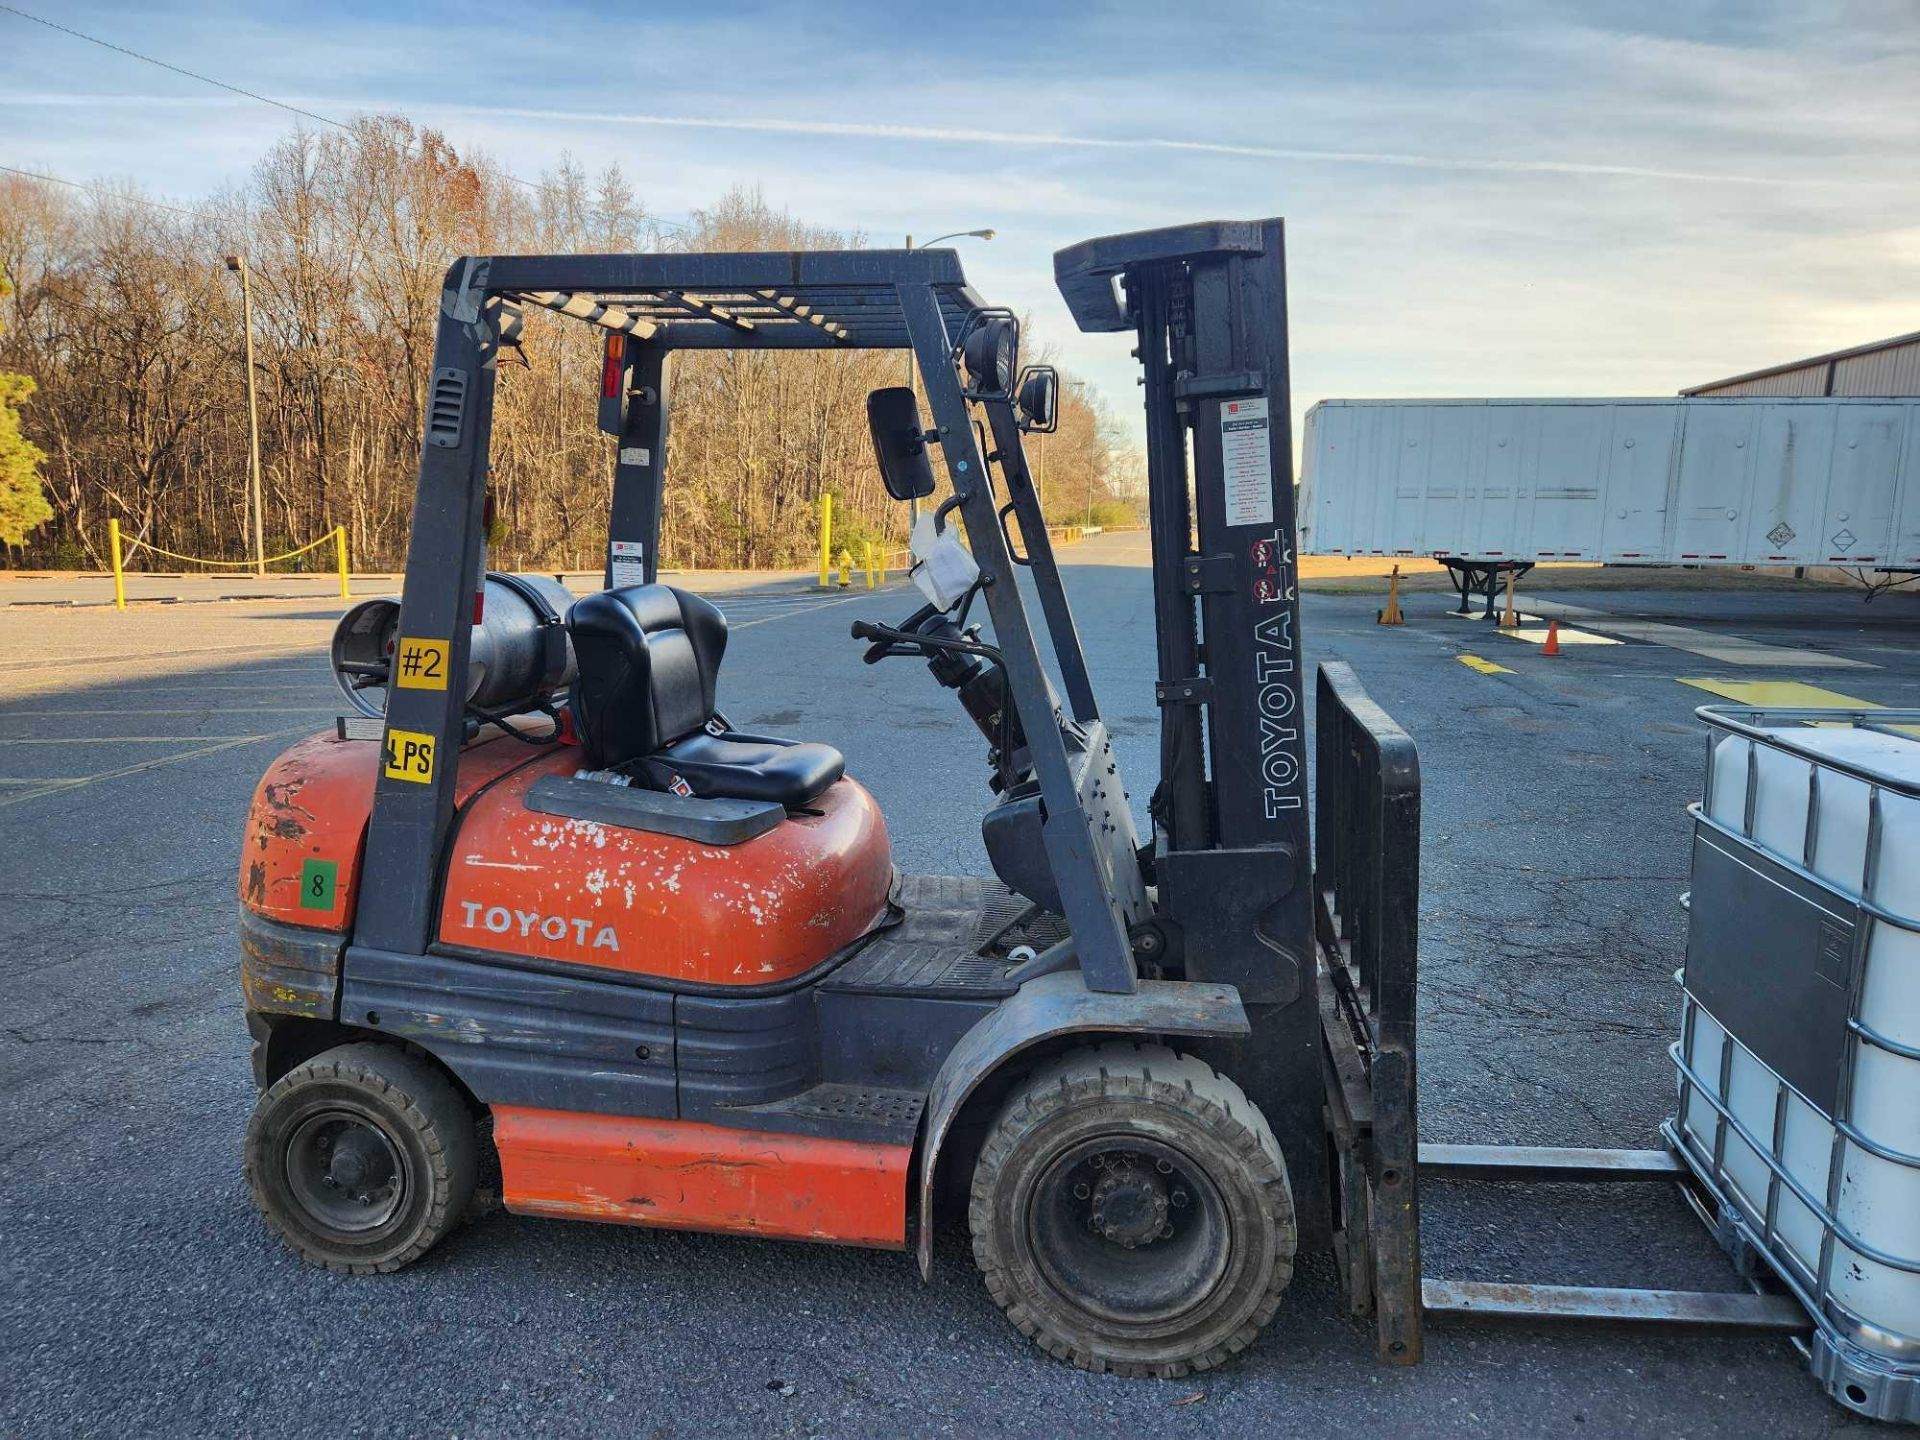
(1907, 543)
(1789, 485)
(1858, 528)
(1716, 474)
(1450, 461)
(1502, 528)
(1639, 479)
(1566, 495)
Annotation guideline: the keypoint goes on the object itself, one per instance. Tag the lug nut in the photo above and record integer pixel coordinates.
(1165, 1167)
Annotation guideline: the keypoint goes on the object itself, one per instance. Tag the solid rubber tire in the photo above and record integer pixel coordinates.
(1121, 1087)
(423, 1116)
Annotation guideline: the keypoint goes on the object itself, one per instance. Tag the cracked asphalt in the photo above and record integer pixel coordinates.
(142, 1296)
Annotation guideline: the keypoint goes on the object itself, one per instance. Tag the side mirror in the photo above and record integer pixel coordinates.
(1039, 399)
(899, 444)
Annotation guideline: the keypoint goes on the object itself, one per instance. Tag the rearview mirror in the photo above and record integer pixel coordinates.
(899, 444)
(1039, 399)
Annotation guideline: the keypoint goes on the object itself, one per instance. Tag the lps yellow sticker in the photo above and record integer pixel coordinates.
(409, 756)
(420, 665)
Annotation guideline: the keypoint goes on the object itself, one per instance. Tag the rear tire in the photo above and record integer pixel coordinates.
(361, 1159)
(1131, 1212)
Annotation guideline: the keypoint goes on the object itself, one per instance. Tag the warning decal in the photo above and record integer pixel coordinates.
(409, 756)
(626, 562)
(1246, 457)
(420, 664)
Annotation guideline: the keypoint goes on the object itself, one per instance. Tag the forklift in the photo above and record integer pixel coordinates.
(538, 902)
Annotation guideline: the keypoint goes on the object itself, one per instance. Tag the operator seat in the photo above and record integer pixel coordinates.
(648, 659)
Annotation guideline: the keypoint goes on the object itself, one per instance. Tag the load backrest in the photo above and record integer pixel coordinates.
(649, 659)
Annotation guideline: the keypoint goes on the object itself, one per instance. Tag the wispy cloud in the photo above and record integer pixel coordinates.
(1028, 140)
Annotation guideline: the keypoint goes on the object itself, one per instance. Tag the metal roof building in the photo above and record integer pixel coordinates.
(1883, 367)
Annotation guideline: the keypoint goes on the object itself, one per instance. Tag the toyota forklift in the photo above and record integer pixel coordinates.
(537, 895)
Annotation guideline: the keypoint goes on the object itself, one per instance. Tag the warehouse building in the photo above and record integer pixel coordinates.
(1884, 367)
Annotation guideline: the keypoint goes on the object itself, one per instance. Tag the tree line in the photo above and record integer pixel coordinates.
(128, 330)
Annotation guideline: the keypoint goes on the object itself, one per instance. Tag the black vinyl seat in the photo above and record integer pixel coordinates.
(648, 659)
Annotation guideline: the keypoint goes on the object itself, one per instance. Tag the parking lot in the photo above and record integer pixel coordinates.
(144, 1296)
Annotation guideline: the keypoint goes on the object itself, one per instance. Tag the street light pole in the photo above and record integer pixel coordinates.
(913, 506)
(238, 264)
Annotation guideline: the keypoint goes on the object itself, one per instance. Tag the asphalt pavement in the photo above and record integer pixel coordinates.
(142, 1295)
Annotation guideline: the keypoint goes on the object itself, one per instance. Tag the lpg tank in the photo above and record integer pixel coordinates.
(520, 654)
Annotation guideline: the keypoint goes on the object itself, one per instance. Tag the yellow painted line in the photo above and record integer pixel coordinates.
(1485, 667)
(1777, 694)
(1790, 695)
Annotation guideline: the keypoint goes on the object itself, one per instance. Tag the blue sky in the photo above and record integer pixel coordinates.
(1488, 197)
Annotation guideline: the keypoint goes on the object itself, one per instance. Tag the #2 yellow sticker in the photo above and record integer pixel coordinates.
(409, 756)
(420, 664)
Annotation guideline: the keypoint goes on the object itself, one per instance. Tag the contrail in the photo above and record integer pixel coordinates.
(1029, 139)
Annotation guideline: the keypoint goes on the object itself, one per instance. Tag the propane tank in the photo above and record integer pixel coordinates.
(520, 653)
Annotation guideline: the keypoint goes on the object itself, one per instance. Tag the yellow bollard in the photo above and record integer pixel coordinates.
(119, 580)
(826, 538)
(846, 567)
(340, 556)
(1391, 615)
(871, 551)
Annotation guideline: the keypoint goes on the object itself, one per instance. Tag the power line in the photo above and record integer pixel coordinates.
(538, 187)
(76, 185)
(164, 65)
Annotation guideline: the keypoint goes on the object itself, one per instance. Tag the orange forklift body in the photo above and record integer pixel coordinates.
(525, 884)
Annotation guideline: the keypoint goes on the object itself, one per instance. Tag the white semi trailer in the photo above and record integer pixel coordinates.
(1502, 483)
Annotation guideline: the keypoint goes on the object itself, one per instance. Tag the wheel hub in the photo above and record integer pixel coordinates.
(1129, 1205)
(344, 1172)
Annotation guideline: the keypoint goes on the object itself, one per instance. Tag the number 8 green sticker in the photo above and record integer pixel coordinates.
(316, 884)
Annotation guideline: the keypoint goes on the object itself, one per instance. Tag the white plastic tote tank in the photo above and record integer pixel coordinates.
(1799, 1062)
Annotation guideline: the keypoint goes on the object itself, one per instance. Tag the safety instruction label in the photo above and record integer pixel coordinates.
(409, 756)
(635, 455)
(420, 664)
(1246, 456)
(317, 880)
(627, 562)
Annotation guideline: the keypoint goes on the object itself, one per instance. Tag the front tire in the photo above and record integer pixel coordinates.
(1131, 1212)
(361, 1159)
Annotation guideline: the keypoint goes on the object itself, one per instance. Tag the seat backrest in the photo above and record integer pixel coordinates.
(648, 658)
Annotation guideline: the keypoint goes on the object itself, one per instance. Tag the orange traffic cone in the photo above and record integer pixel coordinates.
(1552, 647)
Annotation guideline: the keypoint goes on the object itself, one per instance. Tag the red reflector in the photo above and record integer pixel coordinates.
(479, 606)
(610, 367)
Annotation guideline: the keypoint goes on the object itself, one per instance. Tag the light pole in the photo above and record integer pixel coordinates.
(238, 265)
(913, 506)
